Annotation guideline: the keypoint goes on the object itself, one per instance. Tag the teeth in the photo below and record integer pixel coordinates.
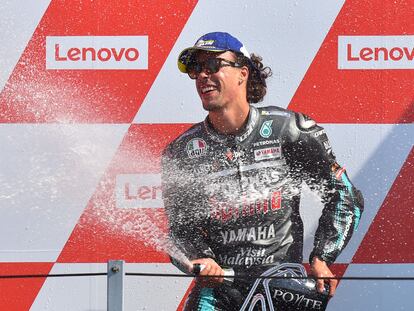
(207, 89)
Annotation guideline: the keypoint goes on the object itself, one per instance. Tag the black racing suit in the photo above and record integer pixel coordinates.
(236, 198)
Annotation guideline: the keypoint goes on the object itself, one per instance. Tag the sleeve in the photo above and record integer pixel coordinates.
(182, 204)
(343, 203)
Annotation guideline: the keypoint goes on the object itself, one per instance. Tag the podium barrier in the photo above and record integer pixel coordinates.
(115, 285)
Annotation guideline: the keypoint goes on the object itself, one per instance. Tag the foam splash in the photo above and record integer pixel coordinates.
(143, 228)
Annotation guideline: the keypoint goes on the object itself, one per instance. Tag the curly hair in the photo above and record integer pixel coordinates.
(256, 83)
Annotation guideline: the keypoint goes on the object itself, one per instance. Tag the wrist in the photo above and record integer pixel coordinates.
(317, 259)
(320, 257)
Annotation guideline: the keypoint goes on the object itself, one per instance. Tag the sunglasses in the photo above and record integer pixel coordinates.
(211, 65)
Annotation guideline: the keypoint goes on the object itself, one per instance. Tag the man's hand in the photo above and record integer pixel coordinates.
(212, 270)
(319, 268)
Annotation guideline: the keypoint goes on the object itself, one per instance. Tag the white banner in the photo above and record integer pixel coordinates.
(376, 52)
(139, 191)
(97, 52)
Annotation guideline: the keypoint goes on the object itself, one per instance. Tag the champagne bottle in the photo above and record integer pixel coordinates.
(228, 272)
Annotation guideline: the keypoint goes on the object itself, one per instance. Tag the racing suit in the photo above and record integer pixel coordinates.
(235, 198)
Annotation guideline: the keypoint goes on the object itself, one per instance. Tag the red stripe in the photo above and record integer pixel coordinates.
(359, 96)
(99, 234)
(390, 238)
(19, 294)
(184, 299)
(36, 95)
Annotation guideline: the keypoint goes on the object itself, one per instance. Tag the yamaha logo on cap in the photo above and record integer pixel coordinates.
(204, 43)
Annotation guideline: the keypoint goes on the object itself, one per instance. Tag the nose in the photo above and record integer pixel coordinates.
(204, 73)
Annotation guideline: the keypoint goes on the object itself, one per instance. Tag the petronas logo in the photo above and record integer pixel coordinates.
(266, 129)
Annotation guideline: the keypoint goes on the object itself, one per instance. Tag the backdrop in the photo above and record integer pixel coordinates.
(91, 94)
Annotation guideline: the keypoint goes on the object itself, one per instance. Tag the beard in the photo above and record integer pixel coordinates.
(212, 105)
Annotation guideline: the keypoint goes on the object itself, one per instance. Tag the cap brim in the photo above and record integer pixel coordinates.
(186, 55)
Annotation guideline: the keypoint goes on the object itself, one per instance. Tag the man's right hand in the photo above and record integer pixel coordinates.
(211, 275)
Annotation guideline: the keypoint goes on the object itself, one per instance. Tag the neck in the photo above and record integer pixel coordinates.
(229, 120)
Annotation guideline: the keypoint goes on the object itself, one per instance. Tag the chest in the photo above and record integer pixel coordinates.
(247, 171)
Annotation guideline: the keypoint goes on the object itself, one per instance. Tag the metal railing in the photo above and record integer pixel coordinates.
(116, 280)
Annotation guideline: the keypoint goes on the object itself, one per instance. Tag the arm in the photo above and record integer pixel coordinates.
(343, 203)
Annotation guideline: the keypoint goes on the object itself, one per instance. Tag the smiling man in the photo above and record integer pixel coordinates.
(232, 183)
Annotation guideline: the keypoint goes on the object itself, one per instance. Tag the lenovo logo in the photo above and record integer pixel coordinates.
(97, 52)
(138, 191)
(376, 52)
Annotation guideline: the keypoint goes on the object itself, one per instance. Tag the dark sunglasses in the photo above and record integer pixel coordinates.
(211, 65)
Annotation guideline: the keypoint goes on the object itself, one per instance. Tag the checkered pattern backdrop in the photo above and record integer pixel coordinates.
(90, 95)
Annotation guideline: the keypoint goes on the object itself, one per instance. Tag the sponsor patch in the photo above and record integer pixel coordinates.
(274, 113)
(250, 234)
(246, 257)
(230, 155)
(318, 133)
(266, 142)
(196, 148)
(266, 129)
(337, 170)
(250, 126)
(267, 153)
(225, 211)
(327, 145)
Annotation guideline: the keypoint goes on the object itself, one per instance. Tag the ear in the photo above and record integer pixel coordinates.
(244, 73)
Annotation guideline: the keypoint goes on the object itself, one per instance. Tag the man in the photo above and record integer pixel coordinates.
(232, 183)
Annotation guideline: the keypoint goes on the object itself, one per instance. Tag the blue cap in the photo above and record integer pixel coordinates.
(214, 42)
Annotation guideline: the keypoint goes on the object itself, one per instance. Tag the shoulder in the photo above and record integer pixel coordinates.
(308, 129)
(302, 121)
(310, 134)
(295, 123)
(275, 112)
(178, 145)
